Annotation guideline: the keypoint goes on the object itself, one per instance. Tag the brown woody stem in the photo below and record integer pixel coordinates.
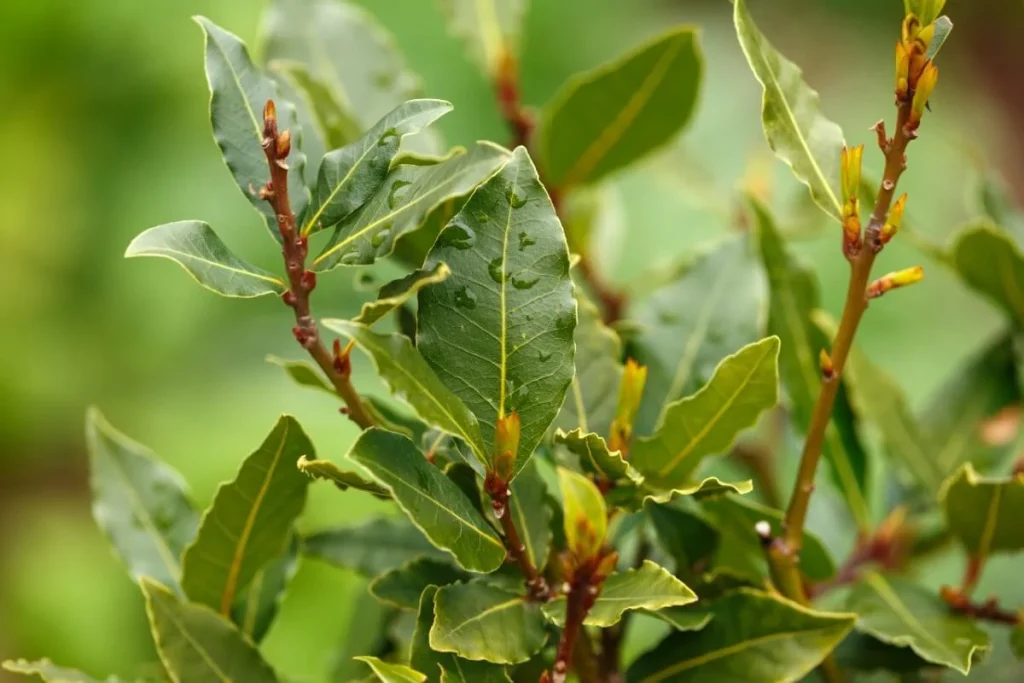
(584, 583)
(301, 282)
(983, 611)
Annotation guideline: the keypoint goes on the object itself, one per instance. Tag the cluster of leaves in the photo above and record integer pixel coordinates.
(531, 437)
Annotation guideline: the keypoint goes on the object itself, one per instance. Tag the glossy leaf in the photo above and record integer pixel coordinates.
(744, 386)
(238, 93)
(716, 305)
(635, 497)
(349, 176)
(432, 501)
(386, 672)
(198, 645)
(991, 263)
(490, 29)
(595, 458)
(444, 667)
(796, 130)
(409, 376)
(753, 637)
(140, 504)
(583, 509)
(409, 194)
(684, 535)
(50, 672)
(608, 118)
(483, 622)
(397, 292)
(302, 373)
(250, 519)
(499, 331)
(899, 612)
(985, 513)
(334, 121)
(531, 513)
(258, 604)
(343, 479)
(403, 586)
(649, 587)
(194, 246)
(371, 548)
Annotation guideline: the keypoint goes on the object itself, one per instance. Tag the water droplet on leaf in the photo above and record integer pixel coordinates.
(520, 282)
(514, 200)
(459, 236)
(465, 298)
(525, 240)
(393, 198)
(497, 270)
(389, 134)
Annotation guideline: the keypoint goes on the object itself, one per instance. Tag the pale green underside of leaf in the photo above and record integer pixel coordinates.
(371, 548)
(50, 672)
(985, 513)
(343, 479)
(595, 458)
(196, 247)
(395, 293)
(634, 498)
(302, 373)
(991, 263)
(386, 672)
(943, 27)
(489, 28)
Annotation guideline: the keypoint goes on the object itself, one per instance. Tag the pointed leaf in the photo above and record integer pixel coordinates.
(372, 548)
(584, 509)
(258, 604)
(198, 645)
(482, 622)
(302, 373)
(499, 331)
(250, 519)
(397, 292)
(141, 504)
(614, 115)
(401, 205)
(50, 672)
(238, 93)
(744, 386)
(985, 514)
(716, 305)
(392, 673)
(431, 500)
(490, 29)
(531, 513)
(196, 247)
(403, 586)
(336, 123)
(595, 457)
(899, 612)
(991, 263)
(796, 130)
(649, 588)
(343, 479)
(409, 376)
(753, 637)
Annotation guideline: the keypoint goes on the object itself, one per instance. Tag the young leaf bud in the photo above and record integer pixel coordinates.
(893, 222)
(852, 160)
(606, 566)
(506, 445)
(631, 391)
(902, 71)
(903, 278)
(828, 370)
(269, 120)
(284, 145)
(925, 86)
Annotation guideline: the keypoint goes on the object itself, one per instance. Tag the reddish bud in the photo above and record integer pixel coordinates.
(903, 278)
(828, 370)
(284, 145)
(506, 445)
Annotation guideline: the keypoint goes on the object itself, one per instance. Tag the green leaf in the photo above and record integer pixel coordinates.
(684, 618)
(343, 479)
(612, 116)
(899, 612)
(397, 292)
(991, 263)
(302, 373)
(499, 331)
(482, 622)
(926, 10)
(985, 514)
(258, 605)
(794, 299)
(716, 305)
(50, 672)
(141, 504)
(455, 669)
(432, 501)
(687, 538)
(943, 27)
(992, 198)
(194, 246)
(392, 673)
(403, 586)
(372, 548)
(368, 633)
(198, 645)
(583, 508)
(336, 123)
(238, 93)
(796, 130)
(250, 519)
(744, 386)
(753, 637)
(595, 457)
(531, 513)
(649, 588)
(593, 394)
(409, 376)
(634, 498)
(350, 176)
(409, 194)
(1017, 642)
(490, 28)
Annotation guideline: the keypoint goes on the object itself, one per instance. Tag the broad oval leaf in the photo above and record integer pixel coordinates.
(250, 520)
(595, 458)
(386, 672)
(141, 504)
(397, 292)
(258, 604)
(753, 637)
(50, 672)
(343, 479)
(499, 331)
(402, 587)
(432, 501)
(198, 645)
(992, 263)
(196, 247)
(614, 115)
(744, 386)
(796, 130)
(483, 622)
(490, 29)
(371, 548)
(649, 587)
(899, 612)
(985, 513)
(238, 93)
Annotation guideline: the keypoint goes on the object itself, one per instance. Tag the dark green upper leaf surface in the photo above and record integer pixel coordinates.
(432, 501)
(793, 123)
(992, 263)
(717, 305)
(257, 605)
(403, 586)
(198, 645)
(753, 637)
(196, 247)
(397, 292)
(50, 672)
(985, 514)
(141, 504)
(238, 92)
(371, 548)
(902, 613)
(499, 331)
(614, 115)
(490, 29)
(250, 520)
(432, 663)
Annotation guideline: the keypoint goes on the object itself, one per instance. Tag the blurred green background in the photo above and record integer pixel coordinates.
(104, 132)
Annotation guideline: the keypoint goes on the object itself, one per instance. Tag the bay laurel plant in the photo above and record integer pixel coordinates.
(585, 483)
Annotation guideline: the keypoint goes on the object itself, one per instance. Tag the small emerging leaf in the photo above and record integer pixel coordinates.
(985, 514)
(482, 622)
(585, 515)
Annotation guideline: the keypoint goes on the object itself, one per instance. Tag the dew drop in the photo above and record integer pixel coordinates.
(525, 240)
(387, 136)
(514, 200)
(497, 270)
(459, 236)
(481, 217)
(524, 283)
(464, 298)
(543, 355)
(393, 198)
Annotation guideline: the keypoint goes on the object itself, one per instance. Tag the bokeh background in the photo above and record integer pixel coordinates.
(104, 132)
